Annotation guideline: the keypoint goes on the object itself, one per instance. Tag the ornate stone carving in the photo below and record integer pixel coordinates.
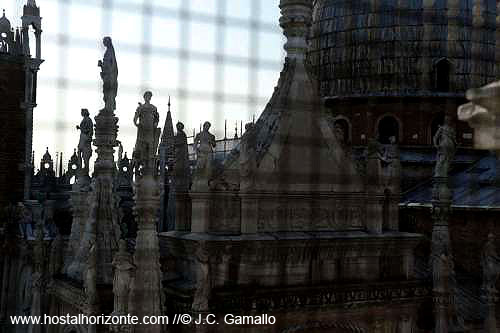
(445, 142)
(123, 275)
(86, 128)
(109, 75)
(204, 143)
(203, 288)
(90, 278)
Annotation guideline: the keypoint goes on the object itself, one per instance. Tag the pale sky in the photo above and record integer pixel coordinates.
(71, 46)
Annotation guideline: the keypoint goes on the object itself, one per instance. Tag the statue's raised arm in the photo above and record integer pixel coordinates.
(109, 75)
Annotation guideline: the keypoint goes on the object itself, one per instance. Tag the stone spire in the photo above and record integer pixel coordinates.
(145, 294)
(102, 226)
(274, 157)
(441, 258)
(167, 156)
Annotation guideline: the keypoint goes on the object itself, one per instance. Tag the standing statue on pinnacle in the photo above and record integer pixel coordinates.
(146, 120)
(109, 75)
(86, 128)
(204, 143)
(181, 166)
(445, 142)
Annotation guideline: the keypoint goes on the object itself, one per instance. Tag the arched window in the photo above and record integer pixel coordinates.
(443, 71)
(387, 127)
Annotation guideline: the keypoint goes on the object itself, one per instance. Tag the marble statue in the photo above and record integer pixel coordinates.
(203, 287)
(109, 75)
(248, 158)
(204, 143)
(339, 133)
(90, 276)
(86, 128)
(445, 142)
(391, 164)
(123, 276)
(181, 166)
(490, 265)
(146, 120)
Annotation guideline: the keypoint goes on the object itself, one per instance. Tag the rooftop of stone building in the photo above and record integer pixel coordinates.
(476, 188)
(410, 48)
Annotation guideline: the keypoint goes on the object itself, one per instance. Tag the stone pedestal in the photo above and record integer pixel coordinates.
(200, 216)
(249, 213)
(145, 296)
(182, 211)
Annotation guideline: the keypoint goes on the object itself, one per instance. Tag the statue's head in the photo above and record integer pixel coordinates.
(206, 126)
(392, 139)
(180, 126)
(107, 41)
(85, 113)
(147, 96)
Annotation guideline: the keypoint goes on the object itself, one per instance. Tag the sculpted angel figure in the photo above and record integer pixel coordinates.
(109, 75)
(445, 142)
(86, 129)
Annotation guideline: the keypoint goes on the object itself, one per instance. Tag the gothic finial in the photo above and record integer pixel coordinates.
(31, 3)
(296, 18)
(169, 104)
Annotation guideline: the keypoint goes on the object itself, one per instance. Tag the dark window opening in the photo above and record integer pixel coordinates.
(388, 127)
(443, 71)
